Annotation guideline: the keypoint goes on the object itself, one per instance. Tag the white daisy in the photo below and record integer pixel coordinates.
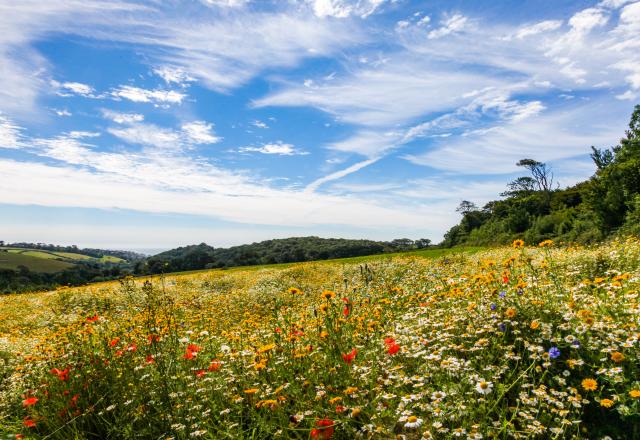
(484, 387)
(413, 422)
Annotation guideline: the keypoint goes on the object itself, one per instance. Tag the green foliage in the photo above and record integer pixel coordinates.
(288, 250)
(606, 204)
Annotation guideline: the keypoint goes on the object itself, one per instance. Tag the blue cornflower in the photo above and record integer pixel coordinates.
(502, 327)
(503, 294)
(554, 352)
(493, 306)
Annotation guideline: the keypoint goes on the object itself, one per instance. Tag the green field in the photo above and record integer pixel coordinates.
(33, 259)
(11, 260)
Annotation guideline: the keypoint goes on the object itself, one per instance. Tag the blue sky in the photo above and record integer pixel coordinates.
(147, 125)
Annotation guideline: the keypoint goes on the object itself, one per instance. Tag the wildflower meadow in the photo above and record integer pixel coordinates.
(526, 341)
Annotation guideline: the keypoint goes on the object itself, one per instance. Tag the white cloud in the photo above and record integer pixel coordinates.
(175, 75)
(345, 8)
(137, 94)
(63, 112)
(226, 3)
(75, 88)
(150, 135)
(9, 133)
(122, 118)
(313, 186)
(453, 24)
(200, 132)
(278, 148)
(553, 136)
(259, 124)
(538, 28)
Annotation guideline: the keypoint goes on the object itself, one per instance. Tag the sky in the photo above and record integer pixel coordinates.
(149, 125)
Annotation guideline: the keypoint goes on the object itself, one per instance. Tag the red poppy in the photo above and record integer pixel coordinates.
(348, 358)
(278, 330)
(29, 423)
(393, 349)
(150, 359)
(74, 400)
(340, 408)
(201, 373)
(132, 347)
(189, 355)
(505, 279)
(346, 311)
(389, 341)
(153, 338)
(323, 430)
(194, 348)
(114, 341)
(30, 401)
(93, 318)
(62, 374)
(214, 365)
(19, 436)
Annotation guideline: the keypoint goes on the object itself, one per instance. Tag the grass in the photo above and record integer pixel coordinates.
(500, 343)
(11, 260)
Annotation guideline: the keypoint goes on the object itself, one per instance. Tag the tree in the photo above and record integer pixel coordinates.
(520, 186)
(465, 207)
(540, 172)
(422, 243)
(602, 157)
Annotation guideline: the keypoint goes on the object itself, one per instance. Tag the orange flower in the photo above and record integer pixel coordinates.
(589, 384)
(510, 313)
(616, 356)
(606, 403)
(518, 243)
(635, 394)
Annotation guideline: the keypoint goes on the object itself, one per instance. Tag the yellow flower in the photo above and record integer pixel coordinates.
(335, 400)
(350, 390)
(266, 348)
(251, 391)
(328, 294)
(534, 325)
(518, 244)
(616, 356)
(355, 412)
(607, 403)
(510, 313)
(294, 291)
(635, 394)
(546, 243)
(589, 385)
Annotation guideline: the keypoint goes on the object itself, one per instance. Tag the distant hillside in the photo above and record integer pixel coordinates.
(286, 250)
(11, 260)
(38, 266)
(606, 204)
(74, 252)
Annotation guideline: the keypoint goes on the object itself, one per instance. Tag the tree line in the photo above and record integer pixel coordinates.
(606, 204)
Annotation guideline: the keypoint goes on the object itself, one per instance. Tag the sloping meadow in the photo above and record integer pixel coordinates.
(518, 342)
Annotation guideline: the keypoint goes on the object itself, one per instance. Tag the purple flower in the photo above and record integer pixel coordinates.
(503, 294)
(502, 327)
(554, 352)
(493, 306)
